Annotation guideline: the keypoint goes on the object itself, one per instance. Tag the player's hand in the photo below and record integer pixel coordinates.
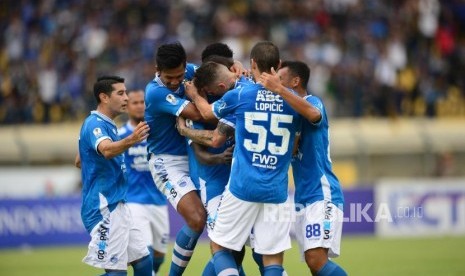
(191, 90)
(141, 132)
(181, 125)
(271, 81)
(239, 69)
(227, 155)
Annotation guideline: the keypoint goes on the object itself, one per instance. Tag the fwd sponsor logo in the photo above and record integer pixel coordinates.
(264, 159)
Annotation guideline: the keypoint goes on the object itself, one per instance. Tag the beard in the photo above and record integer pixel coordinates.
(138, 119)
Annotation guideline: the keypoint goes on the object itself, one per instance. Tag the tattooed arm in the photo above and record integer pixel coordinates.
(210, 138)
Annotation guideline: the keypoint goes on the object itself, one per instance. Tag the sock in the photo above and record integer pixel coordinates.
(241, 270)
(224, 263)
(273, 270)
(238, 258)
(186, 239)
(143, 267)
(115, 273)
(157, 261)
(332, 269)
(258, 258)
(209, 269)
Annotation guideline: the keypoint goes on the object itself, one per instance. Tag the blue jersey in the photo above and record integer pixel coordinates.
(161, 108)
(215, 176)
(265, 129)
(103, 180)
(313, 175)
(193, 165)
(141, 188)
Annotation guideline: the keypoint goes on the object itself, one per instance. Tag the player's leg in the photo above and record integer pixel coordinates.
(109, 241)
(318, 233)
(273, 264)
(211, 200)
(211, 206)
(159, 224)
(171, 176)
(319, 264)
(271, 237)
(232, 228)
(142, 266)
(191, 209)
(142, 219)
(258, 258)
(115, 273)
(238, 258)
(138, 254)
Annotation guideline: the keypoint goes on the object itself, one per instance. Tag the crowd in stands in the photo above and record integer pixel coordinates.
(381, 58)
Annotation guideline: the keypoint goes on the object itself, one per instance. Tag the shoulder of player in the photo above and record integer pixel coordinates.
(315, 100)
(159, 92)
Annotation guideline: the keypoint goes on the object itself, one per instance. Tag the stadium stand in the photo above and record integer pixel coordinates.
(369, 58)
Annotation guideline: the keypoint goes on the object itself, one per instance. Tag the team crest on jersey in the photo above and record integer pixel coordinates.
(221, 107)
(97, 132)
(114, 259)
(171, 99)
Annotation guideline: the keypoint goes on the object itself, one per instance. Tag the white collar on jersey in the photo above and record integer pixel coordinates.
(160, 82)
(103, 116)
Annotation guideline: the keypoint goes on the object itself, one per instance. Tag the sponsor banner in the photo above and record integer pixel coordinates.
(51, 221)
(359, 211)
(47, 221)
(421, 207)
(57, 220)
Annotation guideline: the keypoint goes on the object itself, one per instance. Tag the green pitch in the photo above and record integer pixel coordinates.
(360, 256)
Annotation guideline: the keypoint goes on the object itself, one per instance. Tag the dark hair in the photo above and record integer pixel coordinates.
(266, 55)
(298, 69)
(104, 84)
(228, 62)
(170, 55)
(217, 49)
(206, 74)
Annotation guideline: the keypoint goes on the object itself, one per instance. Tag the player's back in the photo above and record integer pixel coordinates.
(265, 129)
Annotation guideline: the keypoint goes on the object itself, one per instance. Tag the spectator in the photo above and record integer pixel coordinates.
(345, 42)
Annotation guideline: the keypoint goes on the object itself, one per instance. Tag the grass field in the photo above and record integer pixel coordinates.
(360, 256)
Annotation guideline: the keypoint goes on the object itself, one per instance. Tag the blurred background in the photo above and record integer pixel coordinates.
(391, 74)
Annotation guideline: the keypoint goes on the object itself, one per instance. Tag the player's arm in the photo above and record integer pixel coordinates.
(295, 148)
(207, 158)
(200, 102)
(210, 138)
(304, 108)
(77, 161)
(191, 112)
(110, 149)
